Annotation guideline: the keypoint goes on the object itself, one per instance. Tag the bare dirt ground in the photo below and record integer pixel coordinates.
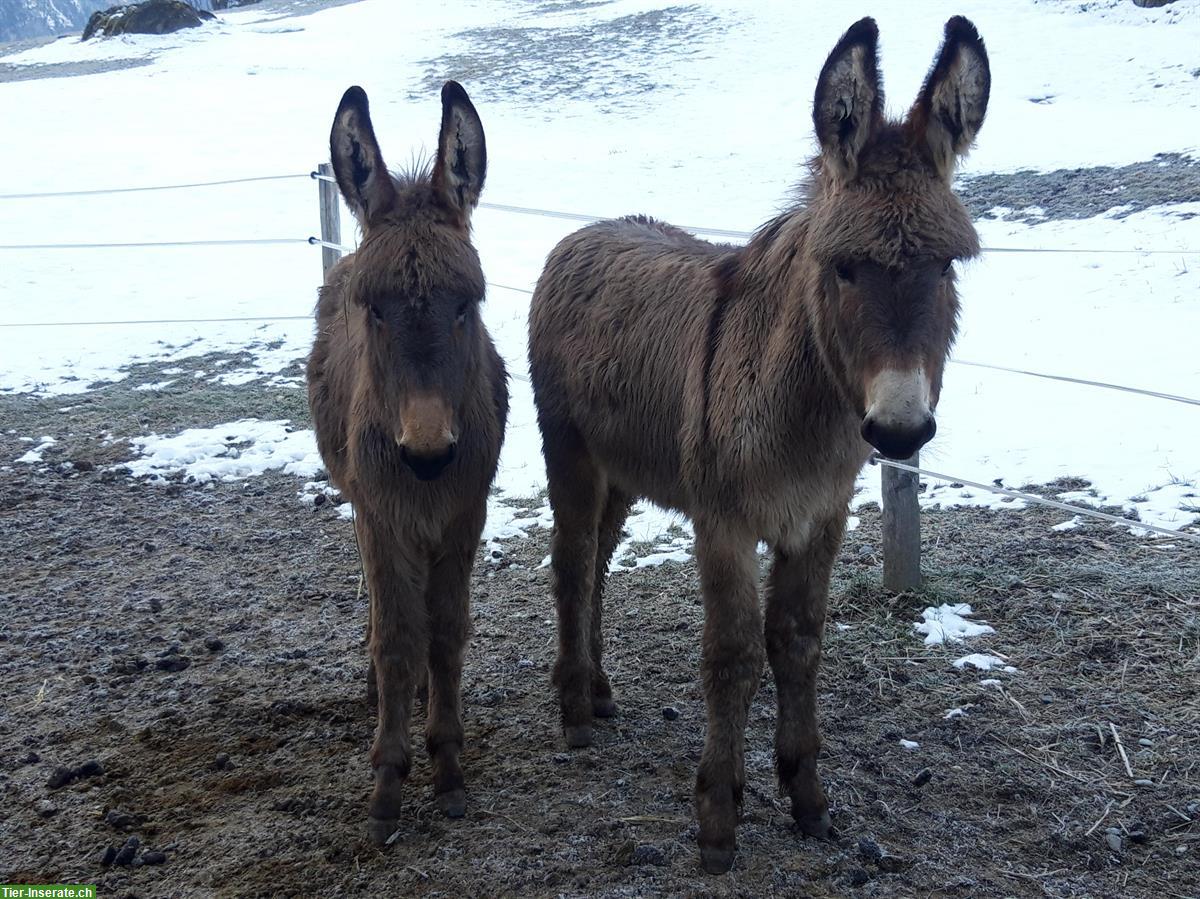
(203, 645)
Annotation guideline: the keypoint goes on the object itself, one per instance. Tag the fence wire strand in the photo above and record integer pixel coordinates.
(1037, 500)
(1069, 380)
(150, 187)
(233, 242)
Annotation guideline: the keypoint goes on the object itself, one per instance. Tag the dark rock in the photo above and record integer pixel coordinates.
(150, 17)
(30, 758)
(126, 854)
(155, 604)
(90, 768)
(891, 864)
(1137, 832)
(118, 818)
(46, 808)
(83, 465)
(60, 777)
(88, 679)
(923, 777)
(107, 855)
(857, 876)
(869, 849)
(647, 855)
(153, 857)
(670, 712)
(222, 761)
(562, 758)
(172, 663)
(319, 500)
(214, 644)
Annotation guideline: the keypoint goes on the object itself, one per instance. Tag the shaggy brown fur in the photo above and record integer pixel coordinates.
(737, 385)
(409, 398)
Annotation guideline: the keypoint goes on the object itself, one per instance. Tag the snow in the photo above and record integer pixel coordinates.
(234, 451)
(34, 455)
(984, 662)
(683, 145)
(910, 745)
(949, 622)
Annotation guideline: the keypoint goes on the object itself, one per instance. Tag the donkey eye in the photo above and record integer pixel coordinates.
(845, 272)
(949, 267)
(461, 313)
(375, 313)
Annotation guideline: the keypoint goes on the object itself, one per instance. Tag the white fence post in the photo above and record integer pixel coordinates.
(901, 527)
(331, 217)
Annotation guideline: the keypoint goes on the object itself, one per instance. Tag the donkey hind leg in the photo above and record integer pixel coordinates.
(796, 595)
(397, 576)
(731, 668)
(448, 602)
(616, 510)
(576, 490)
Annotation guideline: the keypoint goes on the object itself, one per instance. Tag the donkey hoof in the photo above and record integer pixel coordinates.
(817, 826)
(578, 735)
(603, 706)
(452, 803)
(716, 860)
(380, 830)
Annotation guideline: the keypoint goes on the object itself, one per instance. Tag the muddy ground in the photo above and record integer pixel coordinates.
(203, 644)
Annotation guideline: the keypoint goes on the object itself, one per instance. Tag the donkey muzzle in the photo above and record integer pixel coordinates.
(427, 440)
(898, 421)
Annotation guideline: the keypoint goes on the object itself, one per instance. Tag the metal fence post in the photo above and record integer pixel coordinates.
(901, 527)
(331, 217)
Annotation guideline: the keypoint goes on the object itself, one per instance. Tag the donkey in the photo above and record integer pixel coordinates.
(745, 387)
(409, 399)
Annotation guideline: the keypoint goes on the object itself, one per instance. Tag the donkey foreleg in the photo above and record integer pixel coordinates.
(396, 574)
(448, 602)
(731, 668)
(797, 591)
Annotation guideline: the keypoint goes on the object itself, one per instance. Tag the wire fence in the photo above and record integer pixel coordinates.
(588, 218)
(1035, 499)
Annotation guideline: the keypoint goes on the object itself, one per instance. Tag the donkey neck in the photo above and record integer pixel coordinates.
(778, 288)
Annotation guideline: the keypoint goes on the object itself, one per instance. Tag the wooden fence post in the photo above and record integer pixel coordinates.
(331, 217)
(901, 527)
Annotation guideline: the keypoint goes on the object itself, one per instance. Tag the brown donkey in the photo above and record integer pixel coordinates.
(409, 399)
(742, 386)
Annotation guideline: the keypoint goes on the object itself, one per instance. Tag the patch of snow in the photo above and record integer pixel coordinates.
(954, 713)
(1069, 525)
(949, 622)
(34, 455)
(984, 662)
(229, 452)
(910, 744)
(157, 385)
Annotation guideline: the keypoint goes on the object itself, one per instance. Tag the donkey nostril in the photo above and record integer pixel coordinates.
(928, 429)
(869, 431)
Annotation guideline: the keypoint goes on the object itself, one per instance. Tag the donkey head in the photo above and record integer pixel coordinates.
(886, 229)
(416, 281)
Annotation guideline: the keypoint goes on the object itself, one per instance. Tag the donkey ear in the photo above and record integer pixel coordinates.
(950, 108)
(848, 105)
(461, 163)
(358, 165)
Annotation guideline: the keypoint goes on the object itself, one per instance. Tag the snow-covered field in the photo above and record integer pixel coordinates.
(606, 109)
